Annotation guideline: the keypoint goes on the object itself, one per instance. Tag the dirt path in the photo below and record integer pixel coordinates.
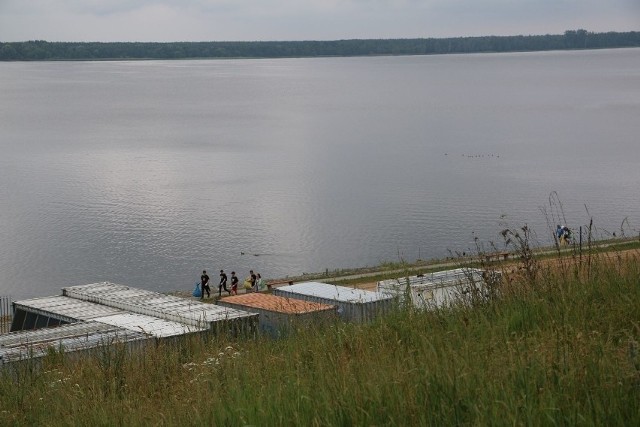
(512, 265)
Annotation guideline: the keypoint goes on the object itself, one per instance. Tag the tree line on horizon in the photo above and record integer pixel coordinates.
(41, 50)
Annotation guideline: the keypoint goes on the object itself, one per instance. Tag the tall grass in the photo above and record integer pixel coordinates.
(562, 349)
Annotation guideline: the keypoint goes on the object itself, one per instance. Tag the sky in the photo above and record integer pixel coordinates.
(264, 20)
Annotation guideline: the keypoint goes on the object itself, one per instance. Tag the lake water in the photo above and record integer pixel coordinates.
(146, 172)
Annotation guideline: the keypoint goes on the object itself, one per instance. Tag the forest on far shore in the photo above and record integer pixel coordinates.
(40, 50)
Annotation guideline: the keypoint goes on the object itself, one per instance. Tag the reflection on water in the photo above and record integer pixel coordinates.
(144, 173)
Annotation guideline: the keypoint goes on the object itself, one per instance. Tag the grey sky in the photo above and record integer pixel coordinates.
(215, 20)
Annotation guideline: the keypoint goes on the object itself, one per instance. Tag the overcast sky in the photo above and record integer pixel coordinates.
(217, 20)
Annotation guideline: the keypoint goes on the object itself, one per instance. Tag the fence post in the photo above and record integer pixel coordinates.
(580, 242)
(6, 314)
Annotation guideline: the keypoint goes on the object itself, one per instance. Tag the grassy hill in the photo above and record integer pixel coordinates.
(560, 345)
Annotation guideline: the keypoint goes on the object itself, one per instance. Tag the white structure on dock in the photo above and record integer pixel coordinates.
(440, 289)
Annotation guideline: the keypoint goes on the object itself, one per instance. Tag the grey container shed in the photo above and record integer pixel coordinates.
(356, 305)
(440, 289)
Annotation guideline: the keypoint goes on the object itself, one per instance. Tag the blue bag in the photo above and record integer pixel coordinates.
(197, 291)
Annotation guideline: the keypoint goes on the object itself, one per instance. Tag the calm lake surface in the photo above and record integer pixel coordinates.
(145, 172)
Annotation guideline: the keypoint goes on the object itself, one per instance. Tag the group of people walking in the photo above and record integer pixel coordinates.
(253, 283)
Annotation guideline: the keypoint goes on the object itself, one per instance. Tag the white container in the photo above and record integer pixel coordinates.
(352, 304)
(439, 289)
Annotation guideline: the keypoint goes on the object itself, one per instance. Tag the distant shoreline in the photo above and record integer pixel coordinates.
(41, 50)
